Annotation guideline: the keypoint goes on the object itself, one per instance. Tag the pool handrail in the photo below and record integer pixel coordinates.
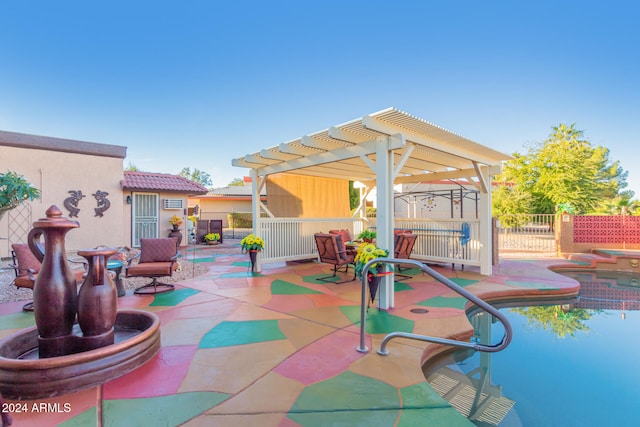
(491, 348)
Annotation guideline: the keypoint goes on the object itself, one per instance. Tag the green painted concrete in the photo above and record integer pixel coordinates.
(171, 410)
(227, 334)
(444, 302)
(173, 298)
(281, 287)
(378, 321)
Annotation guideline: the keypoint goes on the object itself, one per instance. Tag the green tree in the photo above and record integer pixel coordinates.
(197, 175)
(132, 168)
(557, 319)
(508, 199)
(236, 182)
(565, 169)
(354, 196)
(619, 205)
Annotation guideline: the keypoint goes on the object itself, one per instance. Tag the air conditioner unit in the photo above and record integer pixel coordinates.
(173, 203)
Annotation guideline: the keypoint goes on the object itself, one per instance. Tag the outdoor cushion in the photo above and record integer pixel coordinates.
(152, 268)
(26, 259)
(157, 250)
(346, 234)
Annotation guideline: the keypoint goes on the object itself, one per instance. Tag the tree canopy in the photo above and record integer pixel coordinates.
(197, 175)
(565, 168)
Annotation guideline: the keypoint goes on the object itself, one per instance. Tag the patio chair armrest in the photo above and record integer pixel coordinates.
(127, 264)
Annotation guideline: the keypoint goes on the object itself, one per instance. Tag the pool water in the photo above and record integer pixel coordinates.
(573, 364)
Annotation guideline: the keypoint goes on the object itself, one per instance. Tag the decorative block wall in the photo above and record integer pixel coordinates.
(606, 229)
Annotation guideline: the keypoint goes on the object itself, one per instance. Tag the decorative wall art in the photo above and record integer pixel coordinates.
(71, 202)
(103, 202)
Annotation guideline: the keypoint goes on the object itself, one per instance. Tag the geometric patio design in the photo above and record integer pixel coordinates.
(278, 348)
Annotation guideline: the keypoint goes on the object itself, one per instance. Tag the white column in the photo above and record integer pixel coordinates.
(384, 216)
(255, 209)
(484, 213)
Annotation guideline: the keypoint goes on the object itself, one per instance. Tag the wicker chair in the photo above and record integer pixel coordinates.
(157, 258)
(331, 250)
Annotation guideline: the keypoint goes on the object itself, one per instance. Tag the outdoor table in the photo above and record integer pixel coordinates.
(116, 266)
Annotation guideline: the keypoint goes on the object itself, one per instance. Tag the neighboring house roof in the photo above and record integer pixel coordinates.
(23, 140)
(150, 181)
(232, 191)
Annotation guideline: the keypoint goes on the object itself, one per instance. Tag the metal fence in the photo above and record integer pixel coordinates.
(526, 234)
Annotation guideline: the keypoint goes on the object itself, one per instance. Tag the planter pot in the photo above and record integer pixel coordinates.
(373, 281)
(175, 233)
(253, 255)
(212, 242)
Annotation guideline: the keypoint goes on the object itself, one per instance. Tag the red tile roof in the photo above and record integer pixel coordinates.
(134, 180)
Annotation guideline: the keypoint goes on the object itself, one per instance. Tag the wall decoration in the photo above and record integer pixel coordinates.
(71, 202)
(103, 202)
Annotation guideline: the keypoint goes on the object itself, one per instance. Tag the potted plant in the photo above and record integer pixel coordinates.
(15, 189)
(176, 222)
(368, 252)
(367, 236)
(252, 244)
(212, 238)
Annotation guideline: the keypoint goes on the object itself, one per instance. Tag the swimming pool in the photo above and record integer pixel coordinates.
(574, 363)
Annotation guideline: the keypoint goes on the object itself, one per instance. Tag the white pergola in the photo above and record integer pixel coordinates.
(379, 150)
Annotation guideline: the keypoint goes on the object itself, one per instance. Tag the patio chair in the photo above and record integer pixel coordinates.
(403, 247)
(157, 258)
(345, 233)
(27, 266)
(331, 250)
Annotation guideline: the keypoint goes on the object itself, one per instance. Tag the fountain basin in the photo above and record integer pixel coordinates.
(24, 376)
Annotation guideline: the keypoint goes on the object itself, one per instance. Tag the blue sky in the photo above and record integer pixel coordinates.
(197, 83)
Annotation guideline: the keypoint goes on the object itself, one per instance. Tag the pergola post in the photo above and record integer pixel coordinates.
(484, 213)
(384, 216)
(256, 185)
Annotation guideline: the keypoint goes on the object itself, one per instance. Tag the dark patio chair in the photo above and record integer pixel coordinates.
(157, 258)
(345, 233)
(27, 266)
(403, 247)
(331, 250)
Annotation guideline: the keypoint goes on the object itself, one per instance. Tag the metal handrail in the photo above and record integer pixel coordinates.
(508, 331)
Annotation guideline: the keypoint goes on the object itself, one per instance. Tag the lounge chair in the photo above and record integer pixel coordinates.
(331, 250)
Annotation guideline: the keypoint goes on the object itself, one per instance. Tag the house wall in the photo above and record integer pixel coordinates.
(221, 207)
(55, 173)
(299, 196)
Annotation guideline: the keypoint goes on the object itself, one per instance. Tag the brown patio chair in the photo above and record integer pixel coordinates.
(157, 258)
(345, 233)
(27, 266)
(403, 247)
(331, 250)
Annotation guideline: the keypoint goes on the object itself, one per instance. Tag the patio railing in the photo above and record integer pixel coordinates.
(438, 240)
(288, 239)
(491, 348)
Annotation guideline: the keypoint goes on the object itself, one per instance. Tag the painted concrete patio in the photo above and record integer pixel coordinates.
(279, 349)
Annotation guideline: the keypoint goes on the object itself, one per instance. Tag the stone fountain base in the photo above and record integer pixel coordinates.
(24, 376)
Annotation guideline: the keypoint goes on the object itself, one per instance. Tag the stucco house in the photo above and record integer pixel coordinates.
(220, 202)
(87, 182)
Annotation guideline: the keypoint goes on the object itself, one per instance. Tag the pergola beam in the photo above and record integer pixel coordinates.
(335, 155)
(372, 123)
